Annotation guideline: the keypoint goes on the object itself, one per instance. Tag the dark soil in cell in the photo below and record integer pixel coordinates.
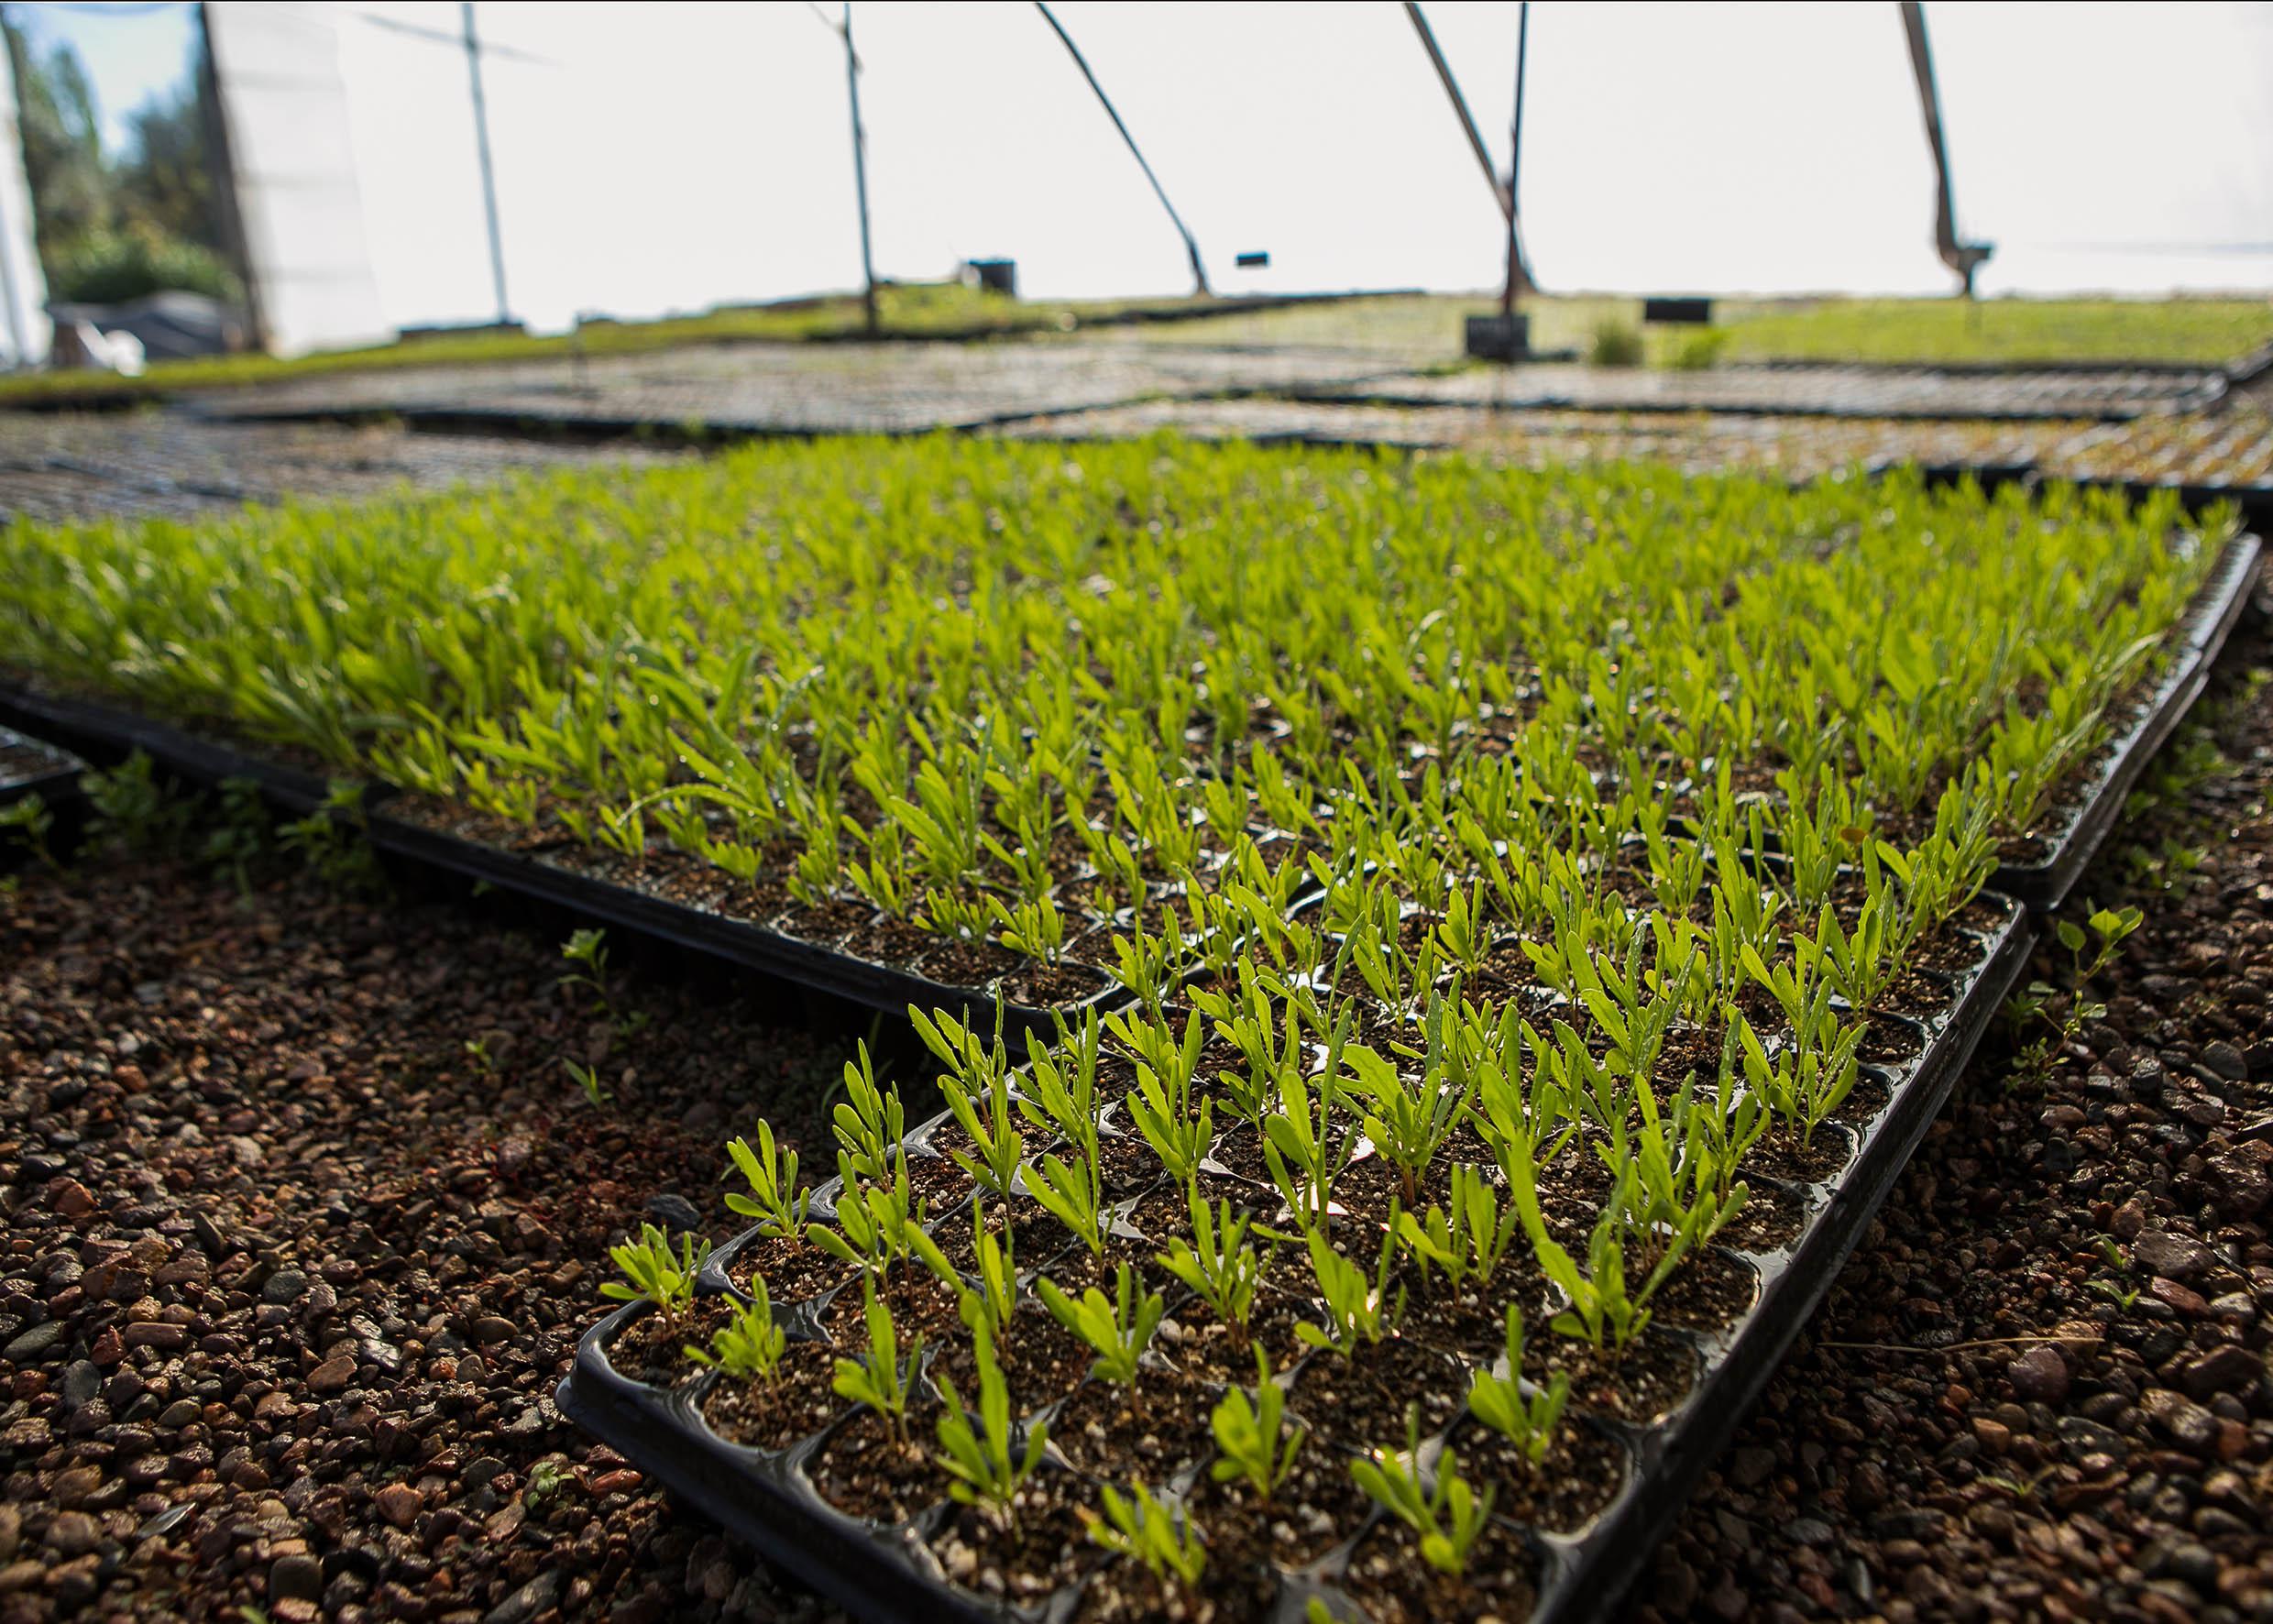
(1239, 1151)
(1389, 1580)
(1369, 1186)
(651, 1348)
(955, 1233)
(1582, 1470)
(867, 1469)
(1888, 1041)
(828, 925)
(1147, 1435)
(1311, 1512)
(1165, 1211)
(1868, 1097)
(1044, 987)
(1237, 1583)
(1816, 1160)
(1038, 1237)
(896, 942)
(1080, 1269)
(1572, 1188)
(1917, 994)
(1473, 1321)
(772, 1415)
(1359, 1403)
(1653, 1374)
(794, 1270)
(1770, 1220)
(1949, 951)
(1194, 1341)
(944, 1138)
(970, 963)
(939, 1182)
(1127, 1165)
(1045, 1544)
(922, 1304)
(1040, 1362)
(1709, 1292)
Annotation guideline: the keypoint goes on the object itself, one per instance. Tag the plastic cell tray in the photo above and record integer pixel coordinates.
(767, 1498)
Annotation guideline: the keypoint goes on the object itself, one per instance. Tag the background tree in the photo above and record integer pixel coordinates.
(110, 230)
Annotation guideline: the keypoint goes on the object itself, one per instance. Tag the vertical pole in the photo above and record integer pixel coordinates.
(1192, 246)
(1518, 280)
(1965, 258)
(1459, 105)
(860, 173)
(488, 172)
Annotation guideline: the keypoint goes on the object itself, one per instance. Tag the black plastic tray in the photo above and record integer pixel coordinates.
(54, 779)
(105, 731)
(2087, 821)
(884, 1573)
(751, 946)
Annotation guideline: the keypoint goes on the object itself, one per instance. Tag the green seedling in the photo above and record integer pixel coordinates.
(1448, 1519)
(1525, 1416)
(883, 1378)
(1254, 1445)
(1117, 1328)
(750, 1345)
(986, 1466)
(1219, 1264)
(774, 1198)
(1142, 1528)
(657, 1274)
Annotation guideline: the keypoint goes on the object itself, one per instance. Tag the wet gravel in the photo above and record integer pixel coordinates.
(2040, 1389)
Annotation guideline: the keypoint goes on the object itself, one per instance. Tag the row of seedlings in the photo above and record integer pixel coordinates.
(966, 710)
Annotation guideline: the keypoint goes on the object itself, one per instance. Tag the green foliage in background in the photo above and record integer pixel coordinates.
(116, 228)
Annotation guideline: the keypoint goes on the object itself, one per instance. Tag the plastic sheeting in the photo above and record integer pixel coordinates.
(297, 186)
(23, 327)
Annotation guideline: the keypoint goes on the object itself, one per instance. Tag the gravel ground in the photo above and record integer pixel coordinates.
(292, 1270)
(2040, 1389)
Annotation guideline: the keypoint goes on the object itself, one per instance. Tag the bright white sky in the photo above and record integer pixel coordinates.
(667, 157)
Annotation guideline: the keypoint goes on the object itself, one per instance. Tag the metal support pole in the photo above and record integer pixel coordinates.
(489, 174)
(1460, 107)
(1964, 259)
(1518, 278)
(1191, 247)
(860, 173)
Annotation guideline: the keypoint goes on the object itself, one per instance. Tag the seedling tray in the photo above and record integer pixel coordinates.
(767, 1500)
(108, 732)
(2082, 823)
(739, 941)
(32, 767)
